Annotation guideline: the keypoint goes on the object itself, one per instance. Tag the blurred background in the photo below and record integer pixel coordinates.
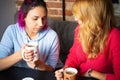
(7, 13)
(57, 9)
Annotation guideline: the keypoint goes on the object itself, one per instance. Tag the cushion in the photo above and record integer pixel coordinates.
(65, 31)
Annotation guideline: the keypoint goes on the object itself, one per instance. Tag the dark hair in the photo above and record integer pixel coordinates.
(26, 6)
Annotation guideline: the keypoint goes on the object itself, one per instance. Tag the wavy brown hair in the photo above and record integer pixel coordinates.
(97, 20)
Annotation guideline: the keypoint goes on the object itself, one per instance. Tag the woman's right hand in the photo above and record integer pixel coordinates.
(59, 74)
(19, 53)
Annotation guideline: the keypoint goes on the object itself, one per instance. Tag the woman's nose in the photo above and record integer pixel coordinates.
(40, 22)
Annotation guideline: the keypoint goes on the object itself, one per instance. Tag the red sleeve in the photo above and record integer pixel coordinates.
(72, 57)
(115, 48)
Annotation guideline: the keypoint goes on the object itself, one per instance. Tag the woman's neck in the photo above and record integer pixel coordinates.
(32, 35)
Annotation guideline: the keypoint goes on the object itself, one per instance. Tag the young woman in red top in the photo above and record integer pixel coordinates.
(96, 49)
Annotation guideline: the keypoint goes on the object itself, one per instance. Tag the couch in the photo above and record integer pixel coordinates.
(65, 31)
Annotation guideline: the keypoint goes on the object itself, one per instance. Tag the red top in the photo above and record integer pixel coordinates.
(108, 62)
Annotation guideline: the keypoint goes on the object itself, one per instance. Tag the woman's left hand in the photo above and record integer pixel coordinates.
(95, 74)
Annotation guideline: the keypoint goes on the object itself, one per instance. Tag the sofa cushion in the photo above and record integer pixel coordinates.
(65, 31)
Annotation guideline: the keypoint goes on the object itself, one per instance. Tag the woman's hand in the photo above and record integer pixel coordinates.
(59, 74)
(28, 57)
(95, 74)
(19, 53)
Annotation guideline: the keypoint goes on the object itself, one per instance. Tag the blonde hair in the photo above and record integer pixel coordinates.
(97, 20)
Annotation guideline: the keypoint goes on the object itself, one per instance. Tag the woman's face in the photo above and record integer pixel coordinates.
(35, 19)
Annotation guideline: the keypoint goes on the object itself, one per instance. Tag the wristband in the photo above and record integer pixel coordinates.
(89, 72)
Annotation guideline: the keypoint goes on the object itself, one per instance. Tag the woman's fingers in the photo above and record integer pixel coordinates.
(59, 74)
(29, 55)
(59, 78)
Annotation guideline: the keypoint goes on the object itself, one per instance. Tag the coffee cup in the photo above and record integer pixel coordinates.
(32, 46)
(70, 73)
(27, 78)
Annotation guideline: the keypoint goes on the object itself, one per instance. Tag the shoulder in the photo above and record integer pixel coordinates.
(10, 28)
(115, 32)
(9, 32)
(114, 36)
(51, 32)
(13, 30)
(13, 27)
(48, 34)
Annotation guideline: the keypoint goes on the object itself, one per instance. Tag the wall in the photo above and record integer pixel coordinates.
(55, 8)
(7, 12)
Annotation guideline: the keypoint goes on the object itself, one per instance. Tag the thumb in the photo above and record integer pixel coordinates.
(23, 46)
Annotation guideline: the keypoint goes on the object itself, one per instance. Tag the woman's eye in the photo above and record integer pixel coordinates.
(35, 18)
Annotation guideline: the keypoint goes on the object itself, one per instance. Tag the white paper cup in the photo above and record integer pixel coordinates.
(70, 73)
(27, 78)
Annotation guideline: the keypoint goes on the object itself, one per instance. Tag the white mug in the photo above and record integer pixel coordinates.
(32, 46)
